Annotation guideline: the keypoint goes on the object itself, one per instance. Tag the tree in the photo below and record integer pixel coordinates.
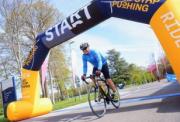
(139, 75)
(118, 67)
(59, 69)
(39, 16)
(164, 66)
(12, 25)
(122, 72)
(21, 21)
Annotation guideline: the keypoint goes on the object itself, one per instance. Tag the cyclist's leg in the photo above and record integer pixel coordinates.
(105, 71)
(114, 94)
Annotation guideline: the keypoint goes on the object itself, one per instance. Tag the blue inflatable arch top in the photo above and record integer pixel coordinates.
(90, 15)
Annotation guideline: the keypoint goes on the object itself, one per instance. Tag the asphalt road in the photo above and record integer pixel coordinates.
(153, 102)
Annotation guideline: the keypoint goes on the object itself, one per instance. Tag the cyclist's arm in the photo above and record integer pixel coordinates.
(99, 59)
(84, 65)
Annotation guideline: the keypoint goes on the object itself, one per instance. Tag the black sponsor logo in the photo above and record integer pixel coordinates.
(25, 84)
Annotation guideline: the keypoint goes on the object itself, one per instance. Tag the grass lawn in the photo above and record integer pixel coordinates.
(70, 102)
(2, 119)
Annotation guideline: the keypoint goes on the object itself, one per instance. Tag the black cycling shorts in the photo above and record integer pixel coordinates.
(104, 70)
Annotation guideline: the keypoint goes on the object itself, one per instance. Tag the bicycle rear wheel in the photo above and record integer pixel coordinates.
(96, 101)
(115, 103)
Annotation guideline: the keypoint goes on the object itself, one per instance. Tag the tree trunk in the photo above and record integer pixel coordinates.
(61, 92)
(51, 85)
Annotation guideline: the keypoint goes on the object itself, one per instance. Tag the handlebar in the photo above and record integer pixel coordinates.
(93, 76)
(89, 77)
(86, 82)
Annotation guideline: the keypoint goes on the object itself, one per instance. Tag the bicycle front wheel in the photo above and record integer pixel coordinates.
(96, 101)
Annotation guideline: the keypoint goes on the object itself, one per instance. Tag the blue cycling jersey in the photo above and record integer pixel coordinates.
(95, 58)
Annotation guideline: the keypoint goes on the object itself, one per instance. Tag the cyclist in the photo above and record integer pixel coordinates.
(100, 65)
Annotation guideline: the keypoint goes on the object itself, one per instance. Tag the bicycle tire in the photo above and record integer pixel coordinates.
(97, 105)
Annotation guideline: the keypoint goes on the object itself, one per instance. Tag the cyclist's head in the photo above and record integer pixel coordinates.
(84, 46)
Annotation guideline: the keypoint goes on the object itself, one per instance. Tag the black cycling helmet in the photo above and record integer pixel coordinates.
(84, 46)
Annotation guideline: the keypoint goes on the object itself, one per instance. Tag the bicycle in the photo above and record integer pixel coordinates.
(99, 95)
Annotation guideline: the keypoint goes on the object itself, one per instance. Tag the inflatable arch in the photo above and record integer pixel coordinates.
(162, 15)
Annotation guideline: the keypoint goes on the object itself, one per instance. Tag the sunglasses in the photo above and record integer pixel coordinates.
(84, 49)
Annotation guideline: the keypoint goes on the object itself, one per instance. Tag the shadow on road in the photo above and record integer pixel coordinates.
(167, 105)
(80, 116)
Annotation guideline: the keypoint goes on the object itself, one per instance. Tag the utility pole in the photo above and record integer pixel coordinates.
(72, 63)
(157, 68)
(74, 77)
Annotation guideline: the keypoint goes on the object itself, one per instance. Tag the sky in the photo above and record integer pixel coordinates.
(136, 42)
